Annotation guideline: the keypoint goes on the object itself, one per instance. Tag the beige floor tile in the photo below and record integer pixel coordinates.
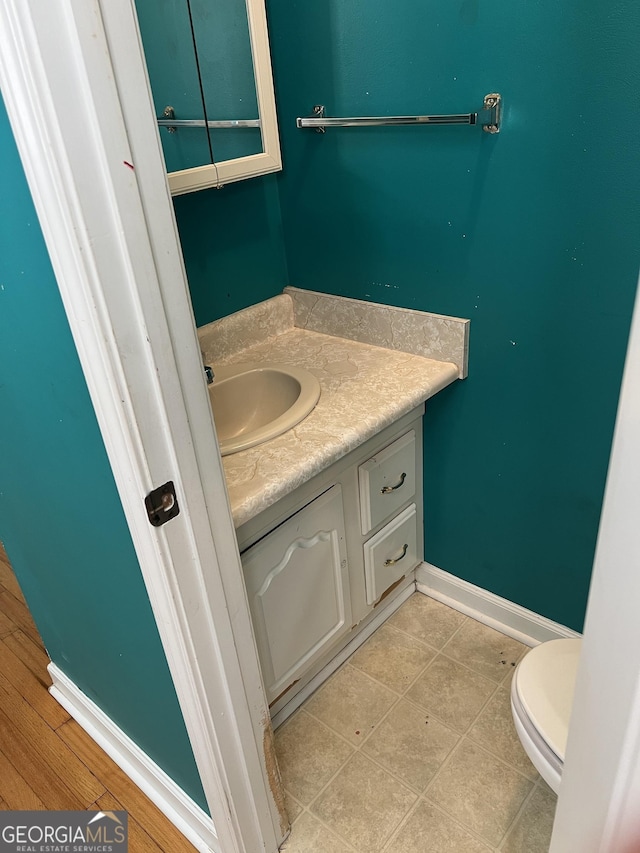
(428, 830)
(393, 658)
(351, 703)
(308, 835)
(308, 755)
(427, 620)
(363, 804)
(293, 807)
(485, 650)
(451, 692)
(411, 745)
(495, 731)
(479, 791)
(531, 833)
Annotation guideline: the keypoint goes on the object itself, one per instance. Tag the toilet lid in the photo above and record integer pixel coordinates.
(545, 682)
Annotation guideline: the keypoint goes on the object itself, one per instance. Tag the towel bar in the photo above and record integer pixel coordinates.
(490, 122)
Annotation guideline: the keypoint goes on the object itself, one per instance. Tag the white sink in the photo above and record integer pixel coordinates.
(253, 403)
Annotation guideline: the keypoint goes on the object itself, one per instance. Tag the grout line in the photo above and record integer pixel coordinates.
(408, 686)
(302, 710)
(460, 824)
(496, 687)
(375, 726)
(443, 808)
(360, 746)
(303, 809)
(519, 813)
(474, 835)
(395, 627)
(502, 761)
(299, 712)
(457, 630)
(400, 826)
(444, 764)
(483, 707)
(366, 757)
(333, 832)
(333, 776)
(496, 682)
(393, 775)
(508, 669)
(435, 717)
(483, 746)
(368, 675)
(462, 738)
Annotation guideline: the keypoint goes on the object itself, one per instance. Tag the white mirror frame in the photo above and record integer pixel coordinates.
(270, 159)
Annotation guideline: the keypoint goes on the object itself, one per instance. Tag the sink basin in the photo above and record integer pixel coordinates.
(253, 403)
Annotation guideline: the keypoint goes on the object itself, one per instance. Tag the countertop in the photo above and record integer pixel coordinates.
(364, 388)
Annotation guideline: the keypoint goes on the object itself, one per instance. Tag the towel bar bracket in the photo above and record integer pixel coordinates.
(493, 104)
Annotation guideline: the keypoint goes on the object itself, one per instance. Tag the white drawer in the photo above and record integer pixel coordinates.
(387, 481)
(391, 553)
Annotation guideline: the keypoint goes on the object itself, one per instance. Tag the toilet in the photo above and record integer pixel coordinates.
(541, 700)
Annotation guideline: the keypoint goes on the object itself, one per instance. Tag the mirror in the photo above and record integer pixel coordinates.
(210, 73)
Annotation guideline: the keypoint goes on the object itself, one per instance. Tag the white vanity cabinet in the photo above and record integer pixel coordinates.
(328, 559)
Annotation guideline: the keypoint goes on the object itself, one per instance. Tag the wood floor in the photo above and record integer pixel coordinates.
(46, 760)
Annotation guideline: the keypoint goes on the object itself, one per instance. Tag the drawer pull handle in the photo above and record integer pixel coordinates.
(393, 561)
(386, 489)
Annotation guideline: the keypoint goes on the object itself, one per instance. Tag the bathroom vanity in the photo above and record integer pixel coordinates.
(328, 515)
(322, 559)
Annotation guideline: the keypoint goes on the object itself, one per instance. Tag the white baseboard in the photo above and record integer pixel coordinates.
(511, 619)
(180, 809)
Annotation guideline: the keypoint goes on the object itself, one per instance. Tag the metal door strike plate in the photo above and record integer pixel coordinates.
(162, 504)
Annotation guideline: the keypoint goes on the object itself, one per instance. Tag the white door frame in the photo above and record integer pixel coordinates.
(75, 87)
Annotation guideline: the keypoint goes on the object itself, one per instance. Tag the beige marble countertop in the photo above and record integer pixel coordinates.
(364, 388)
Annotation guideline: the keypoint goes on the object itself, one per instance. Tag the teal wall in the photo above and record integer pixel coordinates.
(533, 234)
(60, 516)
(233, 246)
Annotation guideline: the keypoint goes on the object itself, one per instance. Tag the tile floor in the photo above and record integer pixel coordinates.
(409, 747)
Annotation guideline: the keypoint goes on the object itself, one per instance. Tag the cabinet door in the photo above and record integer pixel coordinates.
(298, 587)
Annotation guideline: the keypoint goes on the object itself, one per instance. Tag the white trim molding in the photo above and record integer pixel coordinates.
(181, 810)
(511, 619)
